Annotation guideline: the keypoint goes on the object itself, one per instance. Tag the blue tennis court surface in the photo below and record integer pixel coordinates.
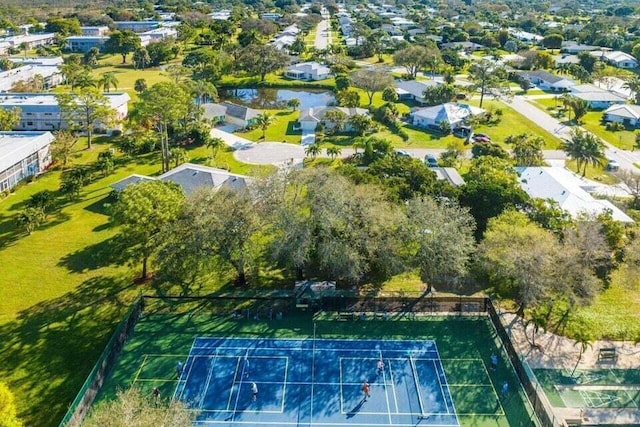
(316, 383)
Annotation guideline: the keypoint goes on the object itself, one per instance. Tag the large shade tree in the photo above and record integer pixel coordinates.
(371, 81)
(414, 58)
(85, 110)
(142, 210)
(122, 43)
(489, 79)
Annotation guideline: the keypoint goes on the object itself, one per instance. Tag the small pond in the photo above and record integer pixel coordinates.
(276, 99)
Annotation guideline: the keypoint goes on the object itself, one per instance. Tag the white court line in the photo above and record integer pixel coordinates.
(393, 387)
(284, 385)
(453, 406)
(316, 424)
(233, 383)
(341, 393)
(386, 392)
(207, 381)
(188, 374)
(444, 397)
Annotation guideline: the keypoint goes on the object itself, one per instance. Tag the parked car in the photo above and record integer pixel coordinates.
(431, 161)
(403, 153)
(479, 138)
(612, 165)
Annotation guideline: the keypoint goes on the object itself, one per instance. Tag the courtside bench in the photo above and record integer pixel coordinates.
(607, 355)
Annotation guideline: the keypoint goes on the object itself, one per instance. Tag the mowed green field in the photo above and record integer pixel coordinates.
(165, 333)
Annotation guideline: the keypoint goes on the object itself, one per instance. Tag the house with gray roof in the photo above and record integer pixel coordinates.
(452, 113)
(191, 177)
(227, 112)
(597, 98)
(547, 81)
(413, 90)
(311, 117)
(628, 115)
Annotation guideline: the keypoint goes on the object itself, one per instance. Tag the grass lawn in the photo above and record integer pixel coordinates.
(64, 293)
(595, 173)
(281, 130)
(513, 123)
(276, 80)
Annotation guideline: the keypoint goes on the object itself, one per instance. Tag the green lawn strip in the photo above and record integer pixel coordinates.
(163, 333)
(595, 173)
(281, 130)
(624, 139)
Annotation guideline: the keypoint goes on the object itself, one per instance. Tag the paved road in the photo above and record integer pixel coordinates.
(625, 159)
(323, 35)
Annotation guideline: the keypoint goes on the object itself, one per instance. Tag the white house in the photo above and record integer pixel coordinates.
(85, 43)
(40, 111)
(31, 40)
(45, 61)
(137, 26)
(51, 75)
(597, 98)
(101, 30)
(453, 113)
(311, 117)
(158, 34)
(413, 90)
(230, 113)
(547, 81)
(308, 71)
(628, 115)
(616, 58)
(565, 188)
(191, 177)
(23, 154)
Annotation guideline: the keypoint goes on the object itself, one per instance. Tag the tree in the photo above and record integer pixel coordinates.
(334, 151)
(348, 98)
(73, 179)
(163, 105)
(587, 61)
(29, 219)
(390, 95)
(489, 79)
(123, 43)
(293, 103)
(312, 150)
(492, 187)
(63, 147)
(360, 124)
(440, 240)
(585, 148)
(439, 94)
(518, 257)
(9, 119)
(133, 408)
(371, 81)
(91, 57)
(217, 230)
(179, 156)
(214, 144)
(63, 26)
(142, 210)
(262, 60)
(583, 338)
(527, 149)
(633, 84)
(203, 91)
(5, 64)
(108, 81)
(105, 162)
(43, 200)
(631, 181)
(8, 411)
(141, 58)
(553, 41)
(337, 119)
(85, 110)
(263, 121)
(140, 86)
(414, 58)
(580, 107)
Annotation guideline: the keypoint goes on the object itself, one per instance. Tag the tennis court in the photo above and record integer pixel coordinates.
(316, 382)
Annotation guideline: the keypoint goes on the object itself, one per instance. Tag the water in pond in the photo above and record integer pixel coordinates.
(276, 99)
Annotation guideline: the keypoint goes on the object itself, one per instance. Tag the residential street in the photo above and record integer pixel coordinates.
(323, 36)
(626, 159)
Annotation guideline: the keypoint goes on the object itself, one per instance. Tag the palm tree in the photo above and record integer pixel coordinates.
(24, 47)
(312, 150)
(108, 81)
(634, 86)
(585, 148)
(214, 144)
(179, 156)
(334, 152)
(293, 103)
(264, 120)
(583, 339)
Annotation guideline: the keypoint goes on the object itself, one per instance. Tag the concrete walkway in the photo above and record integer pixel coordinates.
(323, 35)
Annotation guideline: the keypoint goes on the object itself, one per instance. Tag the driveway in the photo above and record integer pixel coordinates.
(232, 140)
(271, 153)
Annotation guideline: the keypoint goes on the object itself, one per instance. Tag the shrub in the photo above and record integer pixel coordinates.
(614, 126)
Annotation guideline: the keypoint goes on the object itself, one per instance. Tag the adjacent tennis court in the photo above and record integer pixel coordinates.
(316, 382)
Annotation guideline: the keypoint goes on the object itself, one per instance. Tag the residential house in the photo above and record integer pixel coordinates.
(158, 34)
(308, 71)
(547, 81)
(311, 117)
(137, 26)
(40, 111)
(525, 36)
(190, 178)
(46, 61)
(230, 113)
(286, 37)
(271, 16)
(221, 15)
(454, 114)
(31, 40)
(51, 76)
(466, 46)
(628, 115)
(95, 31)
(84, 44)
(568, 190)
(574, 47)
(597, 98)
(23, 154)
(413, 90)
(616, 58)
